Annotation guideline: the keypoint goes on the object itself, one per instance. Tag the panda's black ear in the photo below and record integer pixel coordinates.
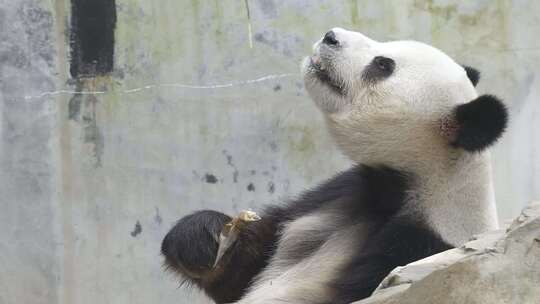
(473, 74)
(476, 125)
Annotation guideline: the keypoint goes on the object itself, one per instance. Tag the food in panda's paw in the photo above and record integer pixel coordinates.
(230, 231)
(249, 216)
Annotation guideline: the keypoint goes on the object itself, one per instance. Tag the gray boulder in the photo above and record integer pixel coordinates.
(500, 266)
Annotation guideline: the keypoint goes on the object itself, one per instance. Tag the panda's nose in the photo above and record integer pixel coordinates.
(330, 38)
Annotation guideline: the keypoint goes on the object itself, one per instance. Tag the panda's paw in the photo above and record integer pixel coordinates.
(190, 247)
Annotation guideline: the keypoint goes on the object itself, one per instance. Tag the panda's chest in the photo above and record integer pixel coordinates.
(317, 237)
(457, 206)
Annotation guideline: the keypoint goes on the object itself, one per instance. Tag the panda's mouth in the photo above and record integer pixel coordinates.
(324, 76)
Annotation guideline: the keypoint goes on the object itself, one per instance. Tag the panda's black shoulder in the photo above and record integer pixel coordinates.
(400, 241)
(362, 189)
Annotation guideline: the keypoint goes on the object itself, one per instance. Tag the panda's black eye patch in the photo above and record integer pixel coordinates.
(384, 64)
(379, 68)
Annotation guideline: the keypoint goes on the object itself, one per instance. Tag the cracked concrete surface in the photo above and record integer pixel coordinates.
(165, 85)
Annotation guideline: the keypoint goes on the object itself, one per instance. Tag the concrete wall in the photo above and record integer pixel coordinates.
(89, 184)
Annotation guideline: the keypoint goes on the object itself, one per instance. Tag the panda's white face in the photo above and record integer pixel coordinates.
(385, 102)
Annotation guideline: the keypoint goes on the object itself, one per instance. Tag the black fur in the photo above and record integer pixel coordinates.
(191, 246)
(378, 69)
(473, 74)
(397, 243)
(364, 194)
(367, 190)
(191, 243)
(243, 261)
(480, 123)
(330, 39)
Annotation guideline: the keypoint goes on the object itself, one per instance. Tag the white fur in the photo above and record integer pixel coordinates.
(306, 281)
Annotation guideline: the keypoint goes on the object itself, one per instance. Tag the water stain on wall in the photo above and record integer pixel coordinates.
(445, 11)
(136, 230)
(232, 165)
(92, 31)
(83, 109)
(92, 37)
(268, 8)
(484, 25)
(157, 218)
(92, 132)
(210, 178)
(271, 188)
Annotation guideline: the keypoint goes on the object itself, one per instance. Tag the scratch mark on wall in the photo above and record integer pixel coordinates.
(164, 85)
(157, 218)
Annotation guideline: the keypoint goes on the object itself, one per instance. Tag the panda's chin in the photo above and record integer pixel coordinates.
(315, 69)
(326, 96)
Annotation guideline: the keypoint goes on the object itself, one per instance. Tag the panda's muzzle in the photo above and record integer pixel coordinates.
(322, 64)
(324, 75)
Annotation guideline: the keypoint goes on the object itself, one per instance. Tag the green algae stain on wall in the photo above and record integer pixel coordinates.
(375, 20)
(492, 22)
(218, 22)
(439, 10)
(153, 36)
(355, 19)
(467, 25)
(197, 35)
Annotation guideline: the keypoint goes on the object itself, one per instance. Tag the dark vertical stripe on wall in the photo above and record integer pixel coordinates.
(92, 37)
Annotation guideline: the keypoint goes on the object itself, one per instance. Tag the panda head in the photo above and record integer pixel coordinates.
(399, 102)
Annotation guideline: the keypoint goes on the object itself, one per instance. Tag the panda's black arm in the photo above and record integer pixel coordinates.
(191, 245)
(190, 250)
(398, 243)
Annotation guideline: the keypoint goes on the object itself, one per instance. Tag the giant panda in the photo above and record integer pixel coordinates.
(410, 119)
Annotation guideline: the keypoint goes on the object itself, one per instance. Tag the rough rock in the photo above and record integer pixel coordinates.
(501, 266)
